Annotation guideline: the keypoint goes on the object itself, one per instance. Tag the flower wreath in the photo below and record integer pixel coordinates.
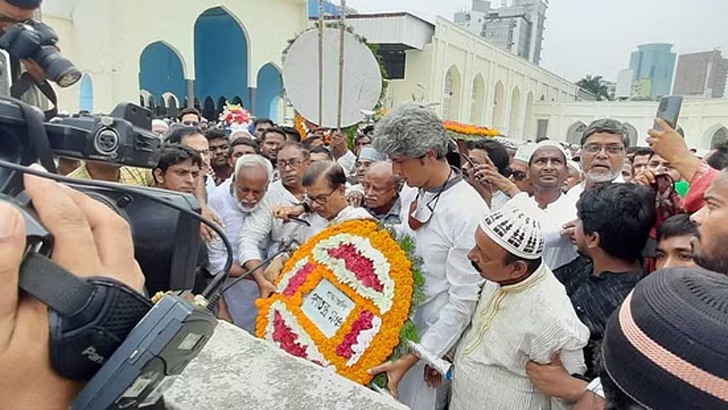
(364, 264)
(234, 116)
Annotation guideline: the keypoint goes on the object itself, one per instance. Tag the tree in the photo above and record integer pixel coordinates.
(595, 86)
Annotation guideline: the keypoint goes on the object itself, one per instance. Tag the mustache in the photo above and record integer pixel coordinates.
(476, 267)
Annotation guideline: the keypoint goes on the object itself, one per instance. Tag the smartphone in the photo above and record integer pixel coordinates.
(669, 110)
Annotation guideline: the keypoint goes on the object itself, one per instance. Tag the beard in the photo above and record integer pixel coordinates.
(476, 267)
(715, 262)
(245, 206)
(248, 209)
(600, 177)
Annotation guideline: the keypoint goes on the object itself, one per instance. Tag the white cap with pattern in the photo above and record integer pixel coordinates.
(514, 230)
(524, 152)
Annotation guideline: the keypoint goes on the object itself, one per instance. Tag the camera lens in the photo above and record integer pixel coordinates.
(57, 68)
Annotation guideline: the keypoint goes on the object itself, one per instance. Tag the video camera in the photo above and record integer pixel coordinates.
(129, 349)
(166, 241)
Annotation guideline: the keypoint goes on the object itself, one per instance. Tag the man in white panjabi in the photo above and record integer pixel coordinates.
(547, 171)
(262, 229)
(233, 201)
(440, 211)
(325, 192)
(523, 314)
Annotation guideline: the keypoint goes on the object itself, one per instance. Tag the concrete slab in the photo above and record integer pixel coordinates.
(239, 371)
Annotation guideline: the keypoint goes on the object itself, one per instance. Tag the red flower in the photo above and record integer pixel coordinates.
(284, 336)
(361, 266)
(362, 323)
(298, 279)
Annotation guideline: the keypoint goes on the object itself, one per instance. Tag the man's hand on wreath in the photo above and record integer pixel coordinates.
(395, 371)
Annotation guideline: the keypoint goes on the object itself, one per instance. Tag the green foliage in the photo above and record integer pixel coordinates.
(595, 86)
(409, 330)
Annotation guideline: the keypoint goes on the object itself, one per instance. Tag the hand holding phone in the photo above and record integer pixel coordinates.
(669, 110)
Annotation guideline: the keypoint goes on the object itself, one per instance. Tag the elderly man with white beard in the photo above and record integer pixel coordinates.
(234, 201)
(603, 152)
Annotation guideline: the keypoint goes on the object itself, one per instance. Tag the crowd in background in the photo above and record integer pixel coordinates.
(539, 256)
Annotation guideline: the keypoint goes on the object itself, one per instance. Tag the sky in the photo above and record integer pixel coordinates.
(596, 37)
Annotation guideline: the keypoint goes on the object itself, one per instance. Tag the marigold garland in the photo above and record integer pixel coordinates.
(387, 335)
(467, 131)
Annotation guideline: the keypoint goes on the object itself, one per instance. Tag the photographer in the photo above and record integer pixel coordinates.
(90, 240)
(34, 44)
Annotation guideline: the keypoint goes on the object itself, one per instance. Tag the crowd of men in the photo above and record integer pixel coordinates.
(538, 257)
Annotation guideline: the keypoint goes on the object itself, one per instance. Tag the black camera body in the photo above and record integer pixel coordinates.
(166, 241)
(37, 41)
(124, 137)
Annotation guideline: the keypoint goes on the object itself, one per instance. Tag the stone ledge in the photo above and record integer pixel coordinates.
(238, 371)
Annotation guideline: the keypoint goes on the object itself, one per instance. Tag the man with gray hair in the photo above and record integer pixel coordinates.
(440, 211)
(233, 201)
(603, 151)
(381, 187)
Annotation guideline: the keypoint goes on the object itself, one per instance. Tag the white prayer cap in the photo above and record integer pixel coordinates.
(514, 230)
(370, 154)
(509, 143)
(524, 152)
(159, 123)
(548, 143)
(574, 165)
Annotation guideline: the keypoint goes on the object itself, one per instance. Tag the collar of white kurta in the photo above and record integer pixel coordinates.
(488, 313)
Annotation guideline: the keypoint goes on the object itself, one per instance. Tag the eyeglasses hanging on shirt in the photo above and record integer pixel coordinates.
(419, 216)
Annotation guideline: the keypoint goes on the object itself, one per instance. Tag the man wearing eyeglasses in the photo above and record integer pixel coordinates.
(262, 228)
(441, 211)
(190, 117)
(603, 152)
(325, 185)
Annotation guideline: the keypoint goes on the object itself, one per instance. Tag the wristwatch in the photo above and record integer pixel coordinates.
(306, 207)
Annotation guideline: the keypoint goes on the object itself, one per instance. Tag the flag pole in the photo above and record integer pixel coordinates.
(321, 64)
(342, 30)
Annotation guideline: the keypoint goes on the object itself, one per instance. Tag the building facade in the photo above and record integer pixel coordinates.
(703, 121)
(517, 28)
(169, 54)
(701, 74)
(652, 66)
(461, 75)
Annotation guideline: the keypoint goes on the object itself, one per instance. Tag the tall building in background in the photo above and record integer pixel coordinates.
(701, 74)
(517, 28)
(330, 9)
(624, 85)
(652, 66)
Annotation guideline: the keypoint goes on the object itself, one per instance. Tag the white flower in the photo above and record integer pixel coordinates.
(363, 340)
(383, 300)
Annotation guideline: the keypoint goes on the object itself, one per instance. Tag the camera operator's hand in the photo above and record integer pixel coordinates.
(90, 239)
